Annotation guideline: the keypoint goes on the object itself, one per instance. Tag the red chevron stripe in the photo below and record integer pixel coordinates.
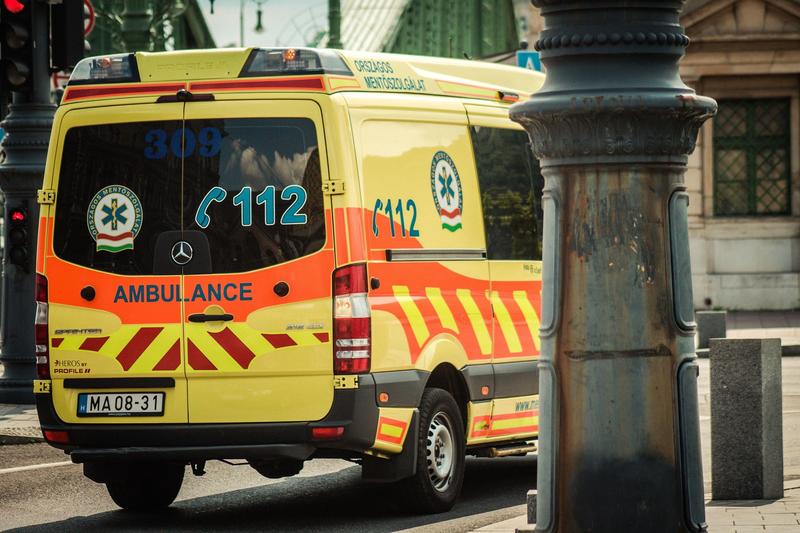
(234, 346)
(136, 346)
(74, 93)
(171, 359)
(197, 360)
(93, 344)
(279, 340)
(57, 341)
(314, 83)
(322, 337)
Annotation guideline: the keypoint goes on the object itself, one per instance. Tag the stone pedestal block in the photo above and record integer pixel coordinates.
(710, 325)
(746, 419)
(531, 501)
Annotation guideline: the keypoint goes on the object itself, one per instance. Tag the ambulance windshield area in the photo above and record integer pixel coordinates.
(252, 192)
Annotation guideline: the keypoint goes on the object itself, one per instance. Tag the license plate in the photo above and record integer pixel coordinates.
(121, 404)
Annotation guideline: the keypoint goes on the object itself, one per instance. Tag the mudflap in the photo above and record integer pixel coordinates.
(401, 466)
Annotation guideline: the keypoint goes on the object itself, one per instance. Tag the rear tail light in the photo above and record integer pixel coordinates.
(327, 433)
(351, 320)
(60, 437)
(40, 326)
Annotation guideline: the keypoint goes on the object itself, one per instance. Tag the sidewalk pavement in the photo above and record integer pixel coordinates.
(765, 324)
(19, 424)
(745, 516)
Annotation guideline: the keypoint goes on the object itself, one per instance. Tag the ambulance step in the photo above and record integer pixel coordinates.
(512, 450)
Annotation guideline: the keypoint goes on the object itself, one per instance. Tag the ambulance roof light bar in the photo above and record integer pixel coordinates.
(115, 68)
(283, 61)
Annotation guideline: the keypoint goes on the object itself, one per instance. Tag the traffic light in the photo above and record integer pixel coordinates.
(16, 45)
(18, 237)
(66, 34)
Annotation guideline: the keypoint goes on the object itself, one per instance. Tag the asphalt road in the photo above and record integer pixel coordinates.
(328, 495)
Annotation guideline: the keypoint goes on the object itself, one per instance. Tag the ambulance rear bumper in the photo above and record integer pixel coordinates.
(353, 409)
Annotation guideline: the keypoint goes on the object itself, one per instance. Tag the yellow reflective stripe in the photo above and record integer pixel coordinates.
(305, 338)
(251, 338)
(213, 351)
(506, 323)
(391, 430)
(412, 313)
(157, 349)
(509, 423)
(118, 340)
(70, 343)
(476, 319)
(531, 318)
(434, 294)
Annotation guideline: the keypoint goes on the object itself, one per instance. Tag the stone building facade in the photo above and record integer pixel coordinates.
(744, 176)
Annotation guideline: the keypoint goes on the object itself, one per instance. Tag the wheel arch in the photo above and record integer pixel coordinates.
(445, 376)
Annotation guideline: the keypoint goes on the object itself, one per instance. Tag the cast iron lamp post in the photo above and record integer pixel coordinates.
(613, 126)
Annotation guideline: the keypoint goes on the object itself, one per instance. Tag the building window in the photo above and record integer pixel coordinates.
(751, 157)
(511, 193)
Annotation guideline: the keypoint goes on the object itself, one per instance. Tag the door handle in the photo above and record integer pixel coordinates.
(202, 317)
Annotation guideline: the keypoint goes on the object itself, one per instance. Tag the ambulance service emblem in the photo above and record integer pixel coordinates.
(446, 188)
(114, 218)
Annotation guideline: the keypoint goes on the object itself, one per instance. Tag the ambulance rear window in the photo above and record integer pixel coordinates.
(113, 201)
(255, 192)
(250, 188)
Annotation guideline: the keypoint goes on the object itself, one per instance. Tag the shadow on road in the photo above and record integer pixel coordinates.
(331, 502)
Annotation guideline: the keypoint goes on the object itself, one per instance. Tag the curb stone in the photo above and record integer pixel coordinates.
(20, 435)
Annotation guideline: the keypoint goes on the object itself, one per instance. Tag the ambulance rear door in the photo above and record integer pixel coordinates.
(257, 261)
(114, 314)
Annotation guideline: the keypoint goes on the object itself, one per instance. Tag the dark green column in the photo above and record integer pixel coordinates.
(27, 127)
(613, 126)
(334, 24)
(137, 17)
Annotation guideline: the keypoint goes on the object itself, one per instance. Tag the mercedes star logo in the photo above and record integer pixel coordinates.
(182, 252)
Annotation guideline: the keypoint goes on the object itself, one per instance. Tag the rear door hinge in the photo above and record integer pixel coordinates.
(333, 187)
(46, 196)
(345, 382)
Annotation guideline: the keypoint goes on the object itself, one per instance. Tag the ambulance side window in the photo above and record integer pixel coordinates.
(511, 193)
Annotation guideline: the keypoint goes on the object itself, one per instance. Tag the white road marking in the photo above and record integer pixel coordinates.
(34, 467)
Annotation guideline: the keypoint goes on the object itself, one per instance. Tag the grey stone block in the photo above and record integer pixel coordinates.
(710, 325)
(531, 500)
(746, 419)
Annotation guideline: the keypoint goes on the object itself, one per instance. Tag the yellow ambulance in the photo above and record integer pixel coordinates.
(281, 254)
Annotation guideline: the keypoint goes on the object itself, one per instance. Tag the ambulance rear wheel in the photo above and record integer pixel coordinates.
(440, 454)
(153, 486)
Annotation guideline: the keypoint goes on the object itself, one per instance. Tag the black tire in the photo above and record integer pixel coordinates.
(147, 487)
(437, 483)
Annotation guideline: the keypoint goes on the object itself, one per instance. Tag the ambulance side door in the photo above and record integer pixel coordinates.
(511, 189)
(424, 234)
